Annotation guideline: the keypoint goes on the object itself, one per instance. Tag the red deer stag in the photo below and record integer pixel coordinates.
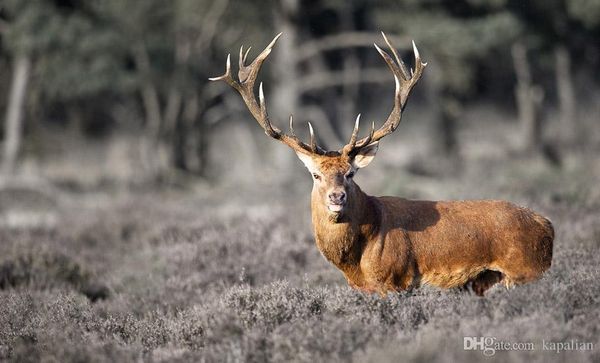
(384, 244)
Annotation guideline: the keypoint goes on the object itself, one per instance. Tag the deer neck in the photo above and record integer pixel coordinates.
(341, 239)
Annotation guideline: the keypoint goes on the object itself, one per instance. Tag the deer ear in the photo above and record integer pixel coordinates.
(365, 155)
(307, 160)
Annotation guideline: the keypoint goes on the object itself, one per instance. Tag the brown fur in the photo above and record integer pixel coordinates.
(384, 244)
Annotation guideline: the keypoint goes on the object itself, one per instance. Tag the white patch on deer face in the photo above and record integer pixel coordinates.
(336, 208)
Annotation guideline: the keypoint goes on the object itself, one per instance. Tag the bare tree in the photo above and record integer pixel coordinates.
(529, 99)
(445, 106)
(566, 94)
(149, 142)
(13, 130)
(169, 137)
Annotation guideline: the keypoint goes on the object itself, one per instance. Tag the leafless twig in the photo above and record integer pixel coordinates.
(210, 22)
(332, 79)
(343, 40)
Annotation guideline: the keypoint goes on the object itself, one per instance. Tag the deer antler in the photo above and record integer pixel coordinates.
(247, 77)
(404, 84)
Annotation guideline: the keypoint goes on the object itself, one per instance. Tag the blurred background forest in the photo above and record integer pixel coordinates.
(145, 216)
(117, 92)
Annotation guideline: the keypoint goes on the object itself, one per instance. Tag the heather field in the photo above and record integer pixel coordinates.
(148, 213)
(232, 274)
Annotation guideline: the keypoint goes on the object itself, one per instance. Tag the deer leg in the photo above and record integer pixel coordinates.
(485, 280)
(463, 288)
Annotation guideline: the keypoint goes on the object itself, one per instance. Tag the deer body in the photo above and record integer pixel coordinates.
(384, 244)
(390, 244)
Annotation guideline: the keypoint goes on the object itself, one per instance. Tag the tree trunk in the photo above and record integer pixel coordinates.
(285, 93)
(152, 152)
(449, 114)
(529, 99)
(150, 145)
(171, 128)
(172, 110)
(193, 148)
(286, 96)
(447, 110)
(566, 94)
(351, 68)
(14, 114)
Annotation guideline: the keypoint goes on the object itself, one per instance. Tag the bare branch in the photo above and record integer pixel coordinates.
(320, 80)
(340, 41)
(210, 22)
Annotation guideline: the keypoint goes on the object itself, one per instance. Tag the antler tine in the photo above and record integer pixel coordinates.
(313, 140)
(264, 121)
(248, 74)
(348, 147)
(241, 60)
(419, 66)
(292, 133)
(398, 59)
(245, 86)
(404, 83)
(355, 131)
(388, 60)
(246, 54)
(367, 140)
(314, 147)
(227, 75)
(243, 56)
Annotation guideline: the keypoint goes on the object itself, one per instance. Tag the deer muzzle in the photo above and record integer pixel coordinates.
(337, 201)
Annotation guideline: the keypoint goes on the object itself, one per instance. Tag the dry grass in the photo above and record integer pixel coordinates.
(234, 275)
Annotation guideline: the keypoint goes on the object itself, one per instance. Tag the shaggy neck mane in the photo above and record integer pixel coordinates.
(341, 238)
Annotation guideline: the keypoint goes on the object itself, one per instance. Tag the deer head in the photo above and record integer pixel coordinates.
(332, 171)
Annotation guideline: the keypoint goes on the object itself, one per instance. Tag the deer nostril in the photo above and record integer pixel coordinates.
(337, 197)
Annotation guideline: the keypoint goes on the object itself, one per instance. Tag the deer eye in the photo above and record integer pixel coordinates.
(316, 176)
(350, 175)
